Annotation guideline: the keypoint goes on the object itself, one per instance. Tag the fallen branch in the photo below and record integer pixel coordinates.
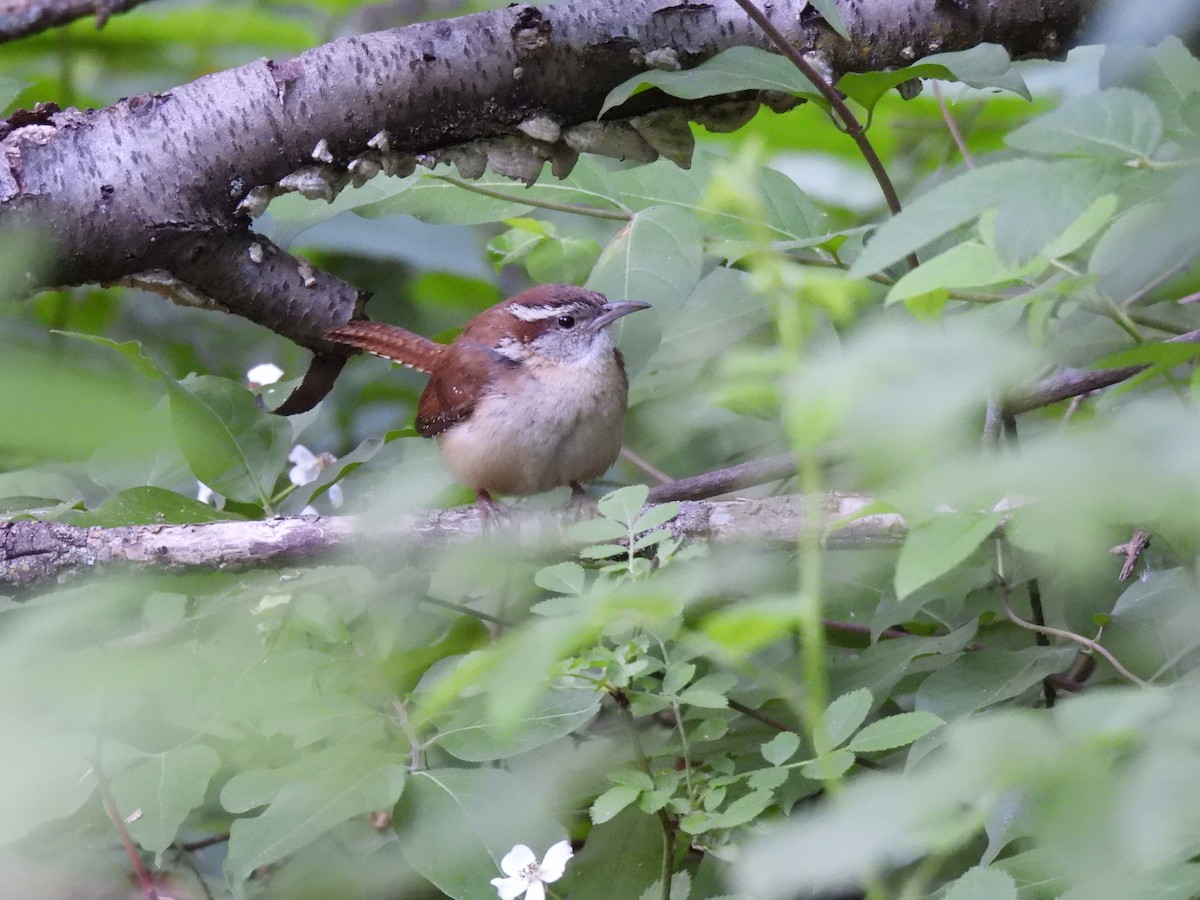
(35, 556)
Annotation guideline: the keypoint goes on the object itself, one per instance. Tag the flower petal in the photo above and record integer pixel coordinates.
(264, 374)
(509, 888)
(335, 495)
(555, 861)
(536, 891)
(517, 859)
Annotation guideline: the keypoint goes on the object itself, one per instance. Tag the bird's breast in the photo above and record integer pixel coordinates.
(548, 425)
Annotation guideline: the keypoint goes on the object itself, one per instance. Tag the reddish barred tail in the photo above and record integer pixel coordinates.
(390, 342)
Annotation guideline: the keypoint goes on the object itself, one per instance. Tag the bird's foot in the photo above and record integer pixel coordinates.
(580, 506)
(492, 513)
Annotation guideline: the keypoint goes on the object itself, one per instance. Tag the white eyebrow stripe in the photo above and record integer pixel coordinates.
(549, 311)
(535, 313)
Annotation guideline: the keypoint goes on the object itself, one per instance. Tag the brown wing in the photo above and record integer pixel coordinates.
(463, 379)
(390, 342)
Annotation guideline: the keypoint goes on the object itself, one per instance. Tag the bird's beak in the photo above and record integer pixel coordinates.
(614, 311)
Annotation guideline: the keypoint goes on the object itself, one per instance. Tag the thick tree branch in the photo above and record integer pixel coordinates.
(38, 555)
(159, 189)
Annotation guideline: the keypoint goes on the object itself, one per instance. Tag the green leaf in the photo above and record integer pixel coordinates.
(131, 350)
(470, 735)
(744, 809)
(842, 718)
(832, 15)
(657, 258)
(230, 444)
(978, 680)
(621, 858)
(1169, 74)
(149, 506)
(597, 529)
(933, 548)
(781, 748)
(828, 766)
(566, 261)
(604, 551)
(1117, 124)
(982, 883)
(681, 888)
(563, 578)
(455, 826)
(304, 810)
(612, 801)
(163, 788)
(732, 70)
(894, 731)
(43, 778)
(704, 698)
(655, 516)
(939, 211)
(650, 538)
(982, 66)
(677, 677)
(767, 779)
(963, 266)
(624, 505)
(721, 682)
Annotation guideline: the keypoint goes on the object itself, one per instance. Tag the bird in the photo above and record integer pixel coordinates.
(530, 396)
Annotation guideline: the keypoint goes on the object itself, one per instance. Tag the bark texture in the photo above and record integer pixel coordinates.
(36, 556)
(19, 18)
(158, 190)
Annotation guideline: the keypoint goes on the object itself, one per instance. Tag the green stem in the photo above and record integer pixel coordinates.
(812, 630)
(664, 820)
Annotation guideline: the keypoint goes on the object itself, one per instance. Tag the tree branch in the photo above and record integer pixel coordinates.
(19, 18)
(37, 555)
(159, 189)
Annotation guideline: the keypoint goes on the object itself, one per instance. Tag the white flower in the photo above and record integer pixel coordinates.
(263, 374)
(526, 875)
(306, 468)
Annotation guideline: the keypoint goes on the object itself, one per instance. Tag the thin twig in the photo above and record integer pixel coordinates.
(759, 716)
(854, 128)
(212, 841)
(467, 611)
(723, 481)
(1071, 636)
(1072, 384)
(1132, 551)
(865, 630)
(1039, 617)
(646, 466)
(576, 208)
(135, 860)
(952, 126)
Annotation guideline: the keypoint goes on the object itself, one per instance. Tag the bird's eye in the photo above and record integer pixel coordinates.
(566, 321)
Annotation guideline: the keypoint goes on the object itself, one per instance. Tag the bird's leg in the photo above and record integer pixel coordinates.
(580, 503)
(491, 512)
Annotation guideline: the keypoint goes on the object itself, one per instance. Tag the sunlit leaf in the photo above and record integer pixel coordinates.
(894, 731)
(935, 547)
(842, 718)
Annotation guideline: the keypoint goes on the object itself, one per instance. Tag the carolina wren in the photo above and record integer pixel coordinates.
(531, 396)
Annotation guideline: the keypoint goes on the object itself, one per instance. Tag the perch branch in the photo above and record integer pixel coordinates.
(38, 555)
